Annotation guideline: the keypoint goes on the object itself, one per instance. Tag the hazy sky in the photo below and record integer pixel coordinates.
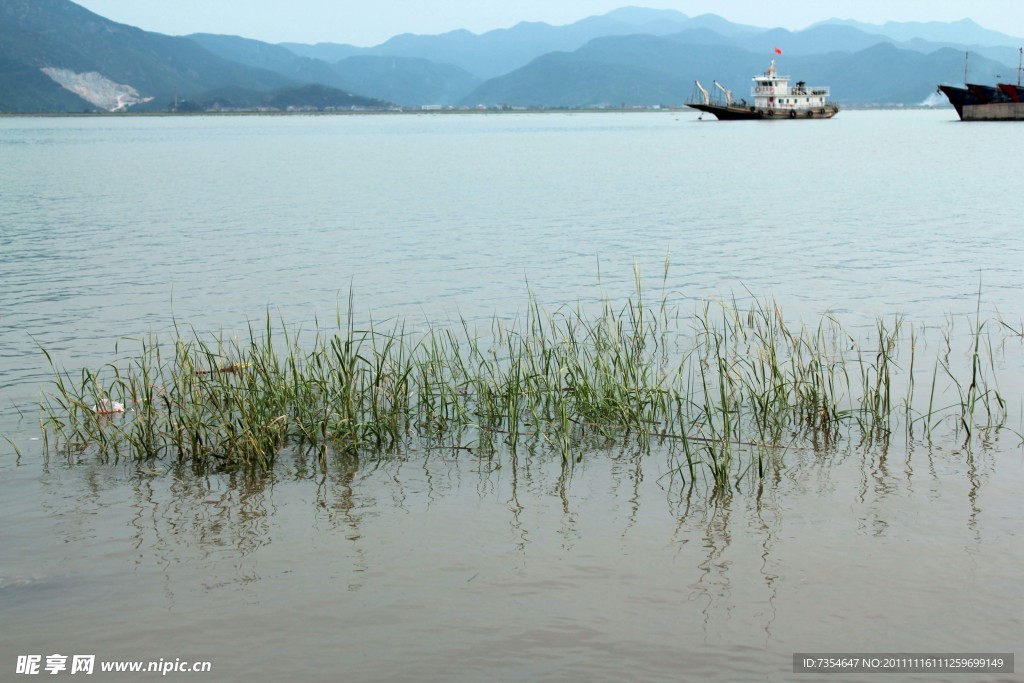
(369, 22)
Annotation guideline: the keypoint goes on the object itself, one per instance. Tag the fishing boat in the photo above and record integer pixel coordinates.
(773, 99)
(1014, 92)
(959, 98)
(987, 94)
(978, 102)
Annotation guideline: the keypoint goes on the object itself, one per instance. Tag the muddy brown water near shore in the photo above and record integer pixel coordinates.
(430, 568)
(440, 564)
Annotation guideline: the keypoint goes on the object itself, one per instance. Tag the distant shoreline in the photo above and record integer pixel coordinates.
(418, 112)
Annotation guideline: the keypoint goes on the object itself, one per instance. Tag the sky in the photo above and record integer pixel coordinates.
(370, 22)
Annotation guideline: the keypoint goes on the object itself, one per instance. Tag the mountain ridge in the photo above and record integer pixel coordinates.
(68, 39)
(56, 56)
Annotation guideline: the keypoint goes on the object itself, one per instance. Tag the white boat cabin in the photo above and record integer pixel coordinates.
(771, 92)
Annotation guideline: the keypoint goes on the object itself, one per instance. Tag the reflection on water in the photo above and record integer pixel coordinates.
(520, 565)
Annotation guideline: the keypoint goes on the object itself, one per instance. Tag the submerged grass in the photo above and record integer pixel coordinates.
(730, 386)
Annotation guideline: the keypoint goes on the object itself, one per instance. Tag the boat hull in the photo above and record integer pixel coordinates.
(970, 105)
(994, 111)
(986, 94)
(959, 98)
(727, 113)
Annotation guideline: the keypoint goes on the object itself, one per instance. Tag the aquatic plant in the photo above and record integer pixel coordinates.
(729, 387)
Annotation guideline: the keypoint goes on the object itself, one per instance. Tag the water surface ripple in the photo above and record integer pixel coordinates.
(444, 566)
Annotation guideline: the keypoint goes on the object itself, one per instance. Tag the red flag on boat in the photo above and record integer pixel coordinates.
(778, 51)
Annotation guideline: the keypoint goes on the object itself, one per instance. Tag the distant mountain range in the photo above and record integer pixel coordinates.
(56, 56)
(103, 65)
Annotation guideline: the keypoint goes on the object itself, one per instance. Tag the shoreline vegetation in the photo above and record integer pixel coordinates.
(729, 388)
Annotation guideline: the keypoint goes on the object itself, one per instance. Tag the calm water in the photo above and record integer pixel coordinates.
(434, 566)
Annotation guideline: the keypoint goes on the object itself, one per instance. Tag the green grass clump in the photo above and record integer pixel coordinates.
(730, 386)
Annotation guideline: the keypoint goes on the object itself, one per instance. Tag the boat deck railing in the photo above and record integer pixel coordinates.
(762, 91)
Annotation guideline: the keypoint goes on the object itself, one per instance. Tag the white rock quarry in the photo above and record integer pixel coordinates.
(96, 89)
